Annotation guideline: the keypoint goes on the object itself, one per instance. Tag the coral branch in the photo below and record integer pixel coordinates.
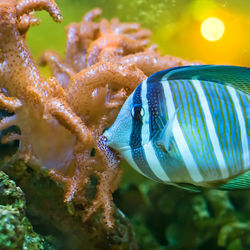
(8, 121)
(92, 14)
(104, 197)
(128, 45)
(58, 68)
(26, 21)
(69, 120)
(141, 34)
(10, 137)
(150, 62)
(79, 36)
(122, 28)
(99, 75)
(27, 6)
(11, 104)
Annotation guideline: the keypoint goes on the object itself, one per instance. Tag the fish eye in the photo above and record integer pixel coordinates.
(137, 112)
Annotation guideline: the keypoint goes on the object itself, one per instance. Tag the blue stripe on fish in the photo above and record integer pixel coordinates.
(157, 109)
(196, 130)
(157, 120)
(205, 153)
(220, 103)
(137, 150)
(245, 105)
(244, 101)
(182, 146)
(211, 128)
(242, 127)
(191, 132)
(218, 100)
(232, 141)
(235, 136)
(153, 114)
(165, 159)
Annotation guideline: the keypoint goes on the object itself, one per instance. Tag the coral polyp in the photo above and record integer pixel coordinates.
(61, 118)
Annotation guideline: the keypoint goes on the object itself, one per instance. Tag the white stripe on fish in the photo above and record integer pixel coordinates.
(211, 129)
(183, 148)
(242, 123)
(145, 131)
(128, 155)
(154, 163)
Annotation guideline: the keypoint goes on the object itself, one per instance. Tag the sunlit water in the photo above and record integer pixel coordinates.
(176, 26)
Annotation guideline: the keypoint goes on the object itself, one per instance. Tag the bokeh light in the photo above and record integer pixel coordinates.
(212, 29)
(175, 26)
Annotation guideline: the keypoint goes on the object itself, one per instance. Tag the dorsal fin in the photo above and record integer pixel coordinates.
(234, 76)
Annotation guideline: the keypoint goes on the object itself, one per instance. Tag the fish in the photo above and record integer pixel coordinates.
(188, 127)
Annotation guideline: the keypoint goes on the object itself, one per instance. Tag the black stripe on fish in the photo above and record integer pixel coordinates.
(136, 140)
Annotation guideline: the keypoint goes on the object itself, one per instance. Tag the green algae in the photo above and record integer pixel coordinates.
(163, 217)
(57, 225)
(176, 219)
(16, 231)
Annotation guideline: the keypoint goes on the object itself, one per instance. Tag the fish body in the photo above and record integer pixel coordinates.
(188, 126)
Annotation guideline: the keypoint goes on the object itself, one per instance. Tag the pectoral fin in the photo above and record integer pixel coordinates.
(166, 133)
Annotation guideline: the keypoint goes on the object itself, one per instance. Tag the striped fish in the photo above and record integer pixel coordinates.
(188, 126)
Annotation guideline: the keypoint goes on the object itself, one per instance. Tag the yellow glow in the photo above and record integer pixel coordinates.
(212, 29)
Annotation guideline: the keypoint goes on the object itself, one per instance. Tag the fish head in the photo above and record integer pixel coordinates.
(124, 134)
(118, 135)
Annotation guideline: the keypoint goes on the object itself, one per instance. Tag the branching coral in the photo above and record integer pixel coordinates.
(62, 118)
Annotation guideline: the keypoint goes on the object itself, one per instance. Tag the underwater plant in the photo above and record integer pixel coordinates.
(61, 119)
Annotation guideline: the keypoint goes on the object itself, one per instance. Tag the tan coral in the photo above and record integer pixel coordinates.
(59, 69)
(97, 77)
(120, 44)
(150, 62)
(26, 21)
(79, 36)
(31, 96)
(62, 118)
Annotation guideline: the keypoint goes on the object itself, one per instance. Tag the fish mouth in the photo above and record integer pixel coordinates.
(119, 149)
(105, 137)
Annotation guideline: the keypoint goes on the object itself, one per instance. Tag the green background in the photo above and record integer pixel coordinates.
(175, 25)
